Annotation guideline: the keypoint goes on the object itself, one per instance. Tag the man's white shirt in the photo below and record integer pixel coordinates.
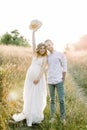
(57, 64)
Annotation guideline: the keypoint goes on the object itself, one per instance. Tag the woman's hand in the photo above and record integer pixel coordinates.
(36, 81)
(35, 30)
(35, 24)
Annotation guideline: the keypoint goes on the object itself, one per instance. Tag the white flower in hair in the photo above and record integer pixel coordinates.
(35, 24)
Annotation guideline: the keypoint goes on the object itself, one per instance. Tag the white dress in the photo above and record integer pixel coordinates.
(34, 96)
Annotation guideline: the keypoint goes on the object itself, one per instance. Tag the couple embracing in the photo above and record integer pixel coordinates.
(35, 90)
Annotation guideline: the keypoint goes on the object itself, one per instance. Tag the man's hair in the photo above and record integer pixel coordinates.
(48, 40)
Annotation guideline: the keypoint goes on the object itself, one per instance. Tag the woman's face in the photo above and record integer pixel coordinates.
(42, 50)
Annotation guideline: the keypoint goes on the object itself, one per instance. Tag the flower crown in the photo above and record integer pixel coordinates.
(35, 24)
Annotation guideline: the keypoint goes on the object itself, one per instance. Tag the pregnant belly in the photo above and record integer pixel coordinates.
(34, 72)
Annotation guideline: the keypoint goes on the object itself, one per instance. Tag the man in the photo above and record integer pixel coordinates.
(57, 68)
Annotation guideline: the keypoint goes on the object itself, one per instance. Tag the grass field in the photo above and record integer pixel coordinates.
(14, 62)
(77, 64)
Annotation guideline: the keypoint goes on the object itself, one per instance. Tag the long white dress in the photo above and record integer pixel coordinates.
(34, 95)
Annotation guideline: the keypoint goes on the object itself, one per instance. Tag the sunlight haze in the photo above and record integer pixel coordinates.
(64, 21)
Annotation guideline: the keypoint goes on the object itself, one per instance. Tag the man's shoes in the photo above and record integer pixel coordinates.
(63, 122)
(52, 120)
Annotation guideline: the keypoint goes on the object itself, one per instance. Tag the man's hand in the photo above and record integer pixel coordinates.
(63, 79)
(64, 75)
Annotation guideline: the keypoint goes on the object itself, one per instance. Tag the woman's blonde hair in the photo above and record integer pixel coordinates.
(38, 49)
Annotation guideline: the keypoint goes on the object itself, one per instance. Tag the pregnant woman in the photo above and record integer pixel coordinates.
(34, 94)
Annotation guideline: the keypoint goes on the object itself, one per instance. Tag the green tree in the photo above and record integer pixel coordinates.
(14, 38)
(6, 38)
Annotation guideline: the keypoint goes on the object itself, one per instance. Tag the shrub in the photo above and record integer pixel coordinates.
(14, 38)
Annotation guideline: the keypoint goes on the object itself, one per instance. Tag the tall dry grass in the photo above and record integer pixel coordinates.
(14, 62)
(77, 64)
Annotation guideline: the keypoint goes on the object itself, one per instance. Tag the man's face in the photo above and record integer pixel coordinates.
(49, 45)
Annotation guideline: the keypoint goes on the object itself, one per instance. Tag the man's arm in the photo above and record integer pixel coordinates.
(64, 75)
(64, 66)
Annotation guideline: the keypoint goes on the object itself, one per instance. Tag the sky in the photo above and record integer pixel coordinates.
(63, 21)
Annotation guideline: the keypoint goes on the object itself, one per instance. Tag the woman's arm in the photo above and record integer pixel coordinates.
(33, 42)
(34, 26)
(43, 68)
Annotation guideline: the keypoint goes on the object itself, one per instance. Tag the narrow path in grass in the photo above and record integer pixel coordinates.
(79, 91)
